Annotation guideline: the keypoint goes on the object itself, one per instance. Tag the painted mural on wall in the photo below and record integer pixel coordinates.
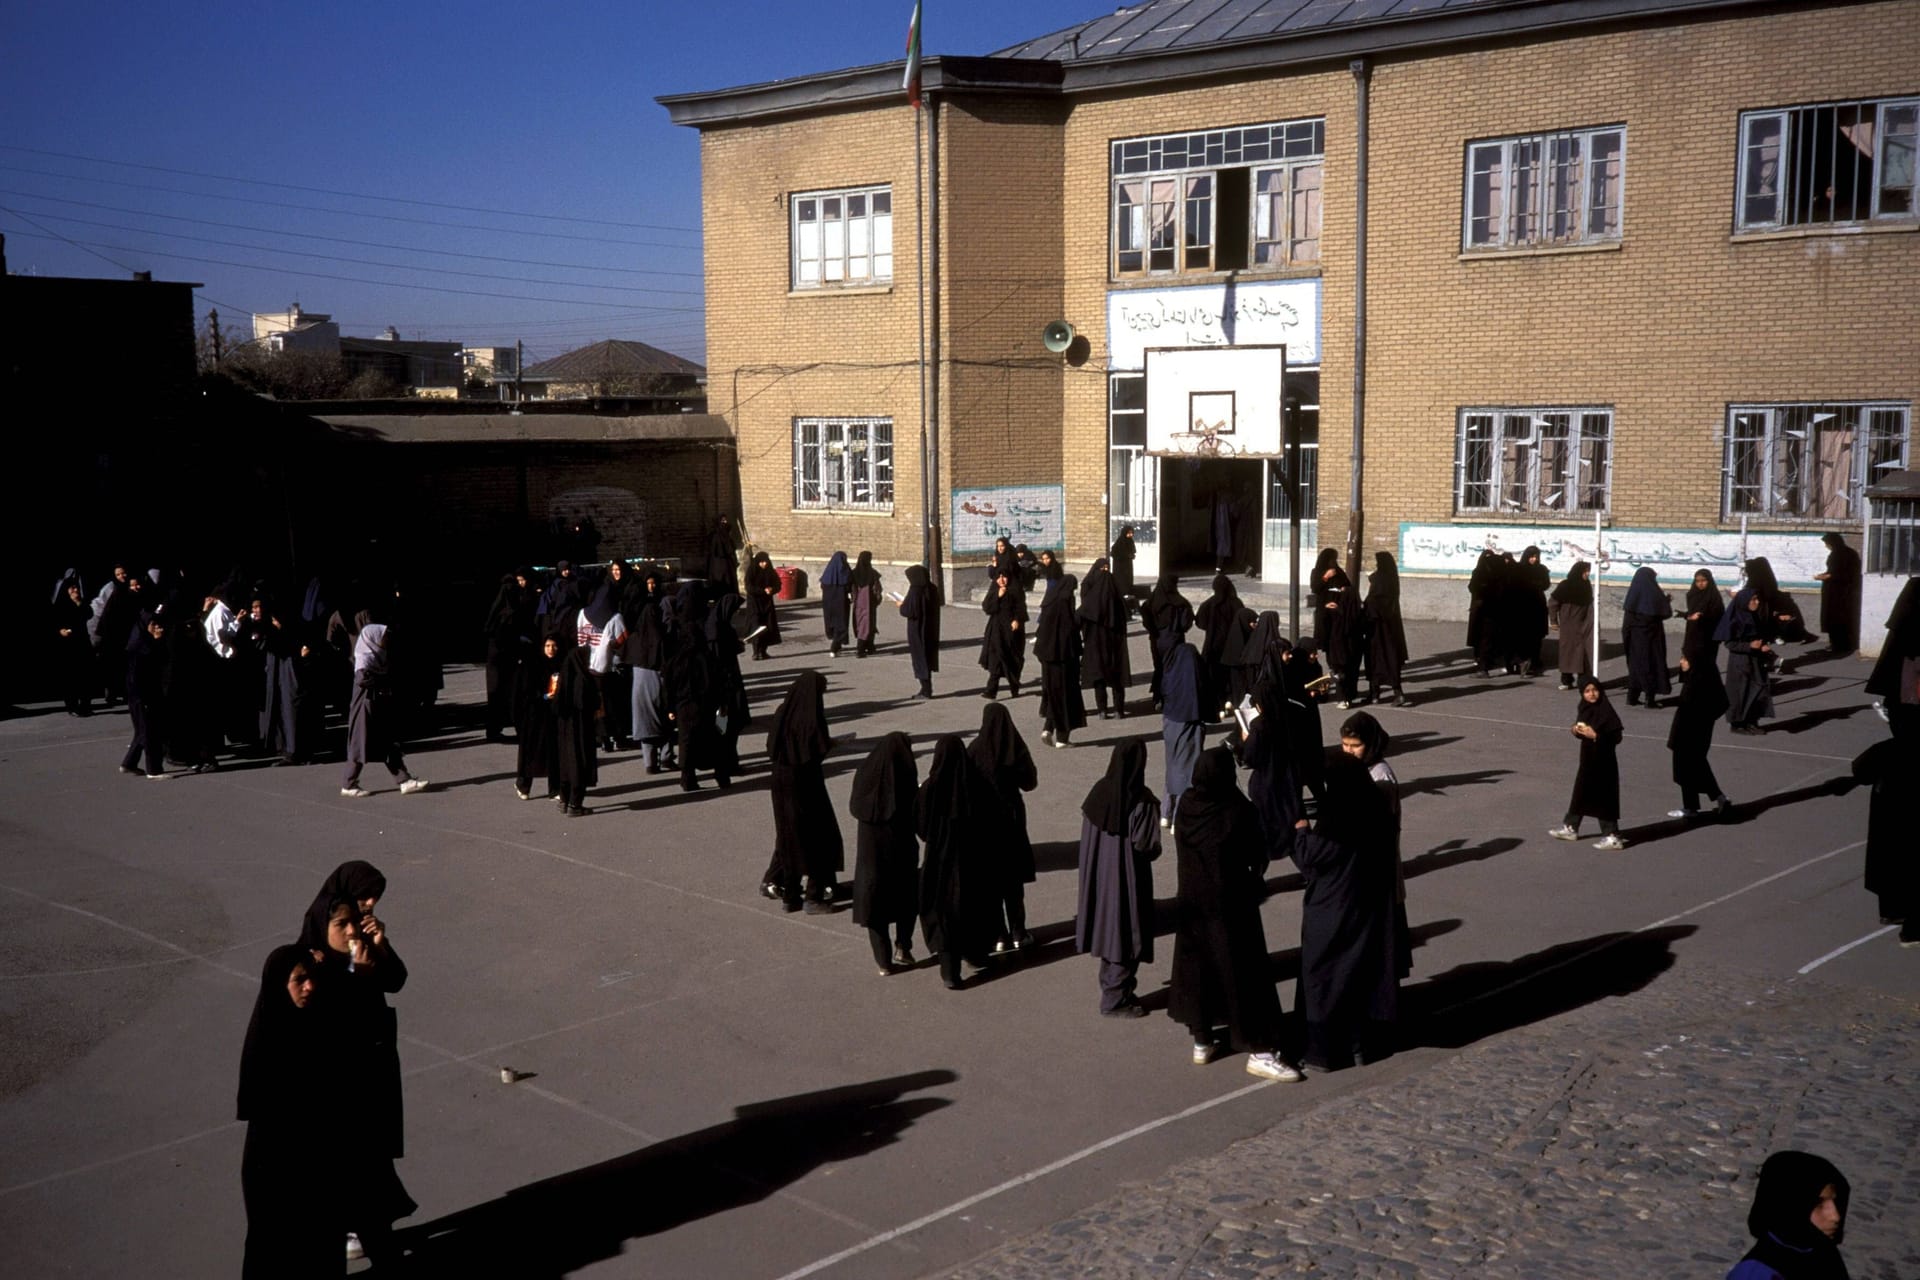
(1672, 553)
(1214, 315)
(1035, 514)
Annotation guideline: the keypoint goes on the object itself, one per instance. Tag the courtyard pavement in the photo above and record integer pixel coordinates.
(1598, 1050)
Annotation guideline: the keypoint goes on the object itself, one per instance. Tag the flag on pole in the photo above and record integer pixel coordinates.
(911, 81)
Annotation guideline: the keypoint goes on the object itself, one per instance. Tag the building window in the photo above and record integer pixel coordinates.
(843, 463)
(1545, 189)
(1839, 163)
(1809, 461)
(1133, 478)
(1533, 461)
(1218, 200)
(842, 237)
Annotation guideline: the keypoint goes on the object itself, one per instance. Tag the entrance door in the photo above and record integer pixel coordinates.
(1202, 496)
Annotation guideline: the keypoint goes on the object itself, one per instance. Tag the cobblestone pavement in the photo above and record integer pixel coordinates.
(1618, 1140)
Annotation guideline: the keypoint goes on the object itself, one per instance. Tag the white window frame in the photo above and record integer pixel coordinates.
(1172, 222)
(1772, 459)
(1515, 460)
(835, 247)
(1544, 190)
(843, 464)
(1778, 184)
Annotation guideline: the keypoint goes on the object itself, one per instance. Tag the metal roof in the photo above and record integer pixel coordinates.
(617, 356)
(1190, 24)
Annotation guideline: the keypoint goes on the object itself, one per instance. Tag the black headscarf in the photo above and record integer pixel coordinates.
(1180, 682)
(647, 641)
(1352, 810)
(1373, 738)
(1162, 600)
(864, 574)
(1706, 600)
(885, 783)
(1577, 587)
(605, 603)
(998, 747)
(799, 734)
(1600, 714)
(350, 882)
(1643, 593)
(1902, 642)
(1781, 1219)
(1738, 622)
(1760, 577)
(1100, 600)
(1327, 559)
(1213, 806)
(1703, 694)
(1054, 634)
(1123, 548)
(1383, 584)
(284, 1044)
(1115, 796)
(948, 791)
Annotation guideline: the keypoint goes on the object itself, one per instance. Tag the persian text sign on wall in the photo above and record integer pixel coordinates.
(1280, 312)
(1035, 514)
(1673, 554)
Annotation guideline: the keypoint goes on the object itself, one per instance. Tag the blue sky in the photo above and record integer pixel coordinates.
(482, 112)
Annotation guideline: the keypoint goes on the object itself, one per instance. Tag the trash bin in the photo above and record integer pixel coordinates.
(793, 583)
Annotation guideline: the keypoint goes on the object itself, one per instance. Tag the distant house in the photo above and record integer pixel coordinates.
(486, 366)
(296, 330)
(423, 368)
(614, 369)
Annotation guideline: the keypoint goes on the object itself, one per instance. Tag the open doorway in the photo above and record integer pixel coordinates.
(1202, 498)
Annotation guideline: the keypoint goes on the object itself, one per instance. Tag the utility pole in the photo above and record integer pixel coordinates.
(213, 325)
(519, 364)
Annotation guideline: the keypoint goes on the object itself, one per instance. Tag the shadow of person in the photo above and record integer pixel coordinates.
(1056, 855)
(1814, 719)
(558, 1225)
(1472, 1001)
(1424, 740)
(1439, 783)
(1739, 813)
(1453, 853)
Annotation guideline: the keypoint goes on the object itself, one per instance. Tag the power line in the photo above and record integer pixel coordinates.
(346, 213)
(372, 262)
(351, 195)
(366, 244)
(322, 275)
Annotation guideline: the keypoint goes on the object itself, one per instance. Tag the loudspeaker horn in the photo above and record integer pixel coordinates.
(1057, 337)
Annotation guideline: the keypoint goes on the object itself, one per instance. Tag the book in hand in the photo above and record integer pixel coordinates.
(1244, 715)
(1319, 685)
(896, 597)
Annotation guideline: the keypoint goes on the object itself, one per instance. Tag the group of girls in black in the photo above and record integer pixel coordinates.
(320, 1071)
(1508, 612)
(634, 658)
(235, 670)
(1353, 631)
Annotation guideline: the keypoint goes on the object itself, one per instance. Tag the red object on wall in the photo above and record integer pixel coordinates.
(793, 583)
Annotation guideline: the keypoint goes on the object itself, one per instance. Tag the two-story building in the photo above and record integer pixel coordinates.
(1470, 272)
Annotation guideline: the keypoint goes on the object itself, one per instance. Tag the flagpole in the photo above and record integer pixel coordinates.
(928, 491)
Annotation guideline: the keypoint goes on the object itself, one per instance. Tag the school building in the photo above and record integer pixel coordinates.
(1527, 262)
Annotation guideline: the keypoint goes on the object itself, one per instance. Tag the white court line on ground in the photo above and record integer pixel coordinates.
(10, 749)
(1063, 1162)
(1019, 1180)
(1837, 952)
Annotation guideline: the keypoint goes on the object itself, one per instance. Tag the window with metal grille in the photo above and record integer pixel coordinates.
(1836, 163)
(1218, 200)
(1133, 478)
(842, 237)
(1552, 461)
(1545, 189)
(843, 463)
(1809, 461)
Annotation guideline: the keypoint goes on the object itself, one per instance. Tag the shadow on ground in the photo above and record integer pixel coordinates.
(1473, 1001)
(556, 1226)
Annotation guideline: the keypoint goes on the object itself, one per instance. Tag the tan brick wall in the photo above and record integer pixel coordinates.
(1668, 329)
(1678, 322)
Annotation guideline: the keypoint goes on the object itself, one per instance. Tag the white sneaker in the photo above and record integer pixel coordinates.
(523, 795)
(1683, 813)
(354, 1251)
(1046, 735)
(1166, 824)
(1203, 1053)
(1271, 1067)
(1610, 842)
(354, 793)
(1060, 744)
(1564, 832)
(412, 785)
